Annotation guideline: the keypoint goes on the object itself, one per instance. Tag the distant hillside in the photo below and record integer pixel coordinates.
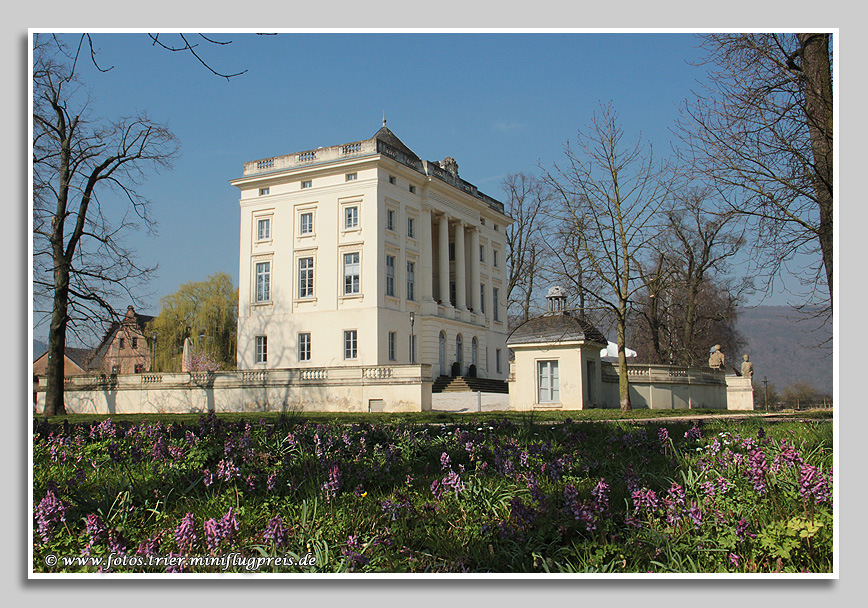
(785, 350)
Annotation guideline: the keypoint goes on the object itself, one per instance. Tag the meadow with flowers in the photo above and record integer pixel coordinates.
(474, 495)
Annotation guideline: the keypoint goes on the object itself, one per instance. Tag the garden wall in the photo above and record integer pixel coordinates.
(673, 387)
(397, 388)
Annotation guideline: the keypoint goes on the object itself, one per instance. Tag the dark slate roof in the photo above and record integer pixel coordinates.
(555, 327)
(385, 135)
(79, 356)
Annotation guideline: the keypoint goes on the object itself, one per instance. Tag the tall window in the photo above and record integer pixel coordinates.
(263, 281)
(494, 253)
(304, 347)
(482, 253)
(390, 219)
(134, 343)
(495, 296)
(411, 281)
(305, 278)
(351, 217)
(352, 283)
(392, 340)
(411, 227)
(390, 275)
(351, 344)
(306, 223)
(121, 344)
(482, 299)
(261, 349)
(497, 365)
(548, 381)
(263, 229)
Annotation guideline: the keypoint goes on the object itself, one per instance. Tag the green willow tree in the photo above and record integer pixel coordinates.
(206, 312)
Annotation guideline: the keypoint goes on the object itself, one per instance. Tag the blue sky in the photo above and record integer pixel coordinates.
(496, 102)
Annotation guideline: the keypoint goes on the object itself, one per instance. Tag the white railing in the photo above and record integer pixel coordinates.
(314, 374)
(257, 376)
(377, 372)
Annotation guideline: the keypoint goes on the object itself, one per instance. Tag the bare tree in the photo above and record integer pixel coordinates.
(610, 195)
(526, 200)
(689, 303)
(762, 133)
(85, 173)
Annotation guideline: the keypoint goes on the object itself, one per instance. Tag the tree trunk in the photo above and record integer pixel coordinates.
(623, 383)
(57, 344)
(817, 72)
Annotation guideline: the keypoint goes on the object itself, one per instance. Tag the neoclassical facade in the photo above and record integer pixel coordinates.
(362, 254)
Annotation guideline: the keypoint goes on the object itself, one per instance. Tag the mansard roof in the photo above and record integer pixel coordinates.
(561, 326)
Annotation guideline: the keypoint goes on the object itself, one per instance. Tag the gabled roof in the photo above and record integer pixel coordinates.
(133, 318)
(555, 327)
(385, 135)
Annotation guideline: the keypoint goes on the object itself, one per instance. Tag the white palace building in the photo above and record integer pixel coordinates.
(368, 279)
(362, 255)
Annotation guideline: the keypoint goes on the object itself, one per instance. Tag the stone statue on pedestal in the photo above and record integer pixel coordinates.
(747, 367)
(717, 359)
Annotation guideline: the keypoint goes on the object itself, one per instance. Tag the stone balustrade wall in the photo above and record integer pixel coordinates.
(395, 388)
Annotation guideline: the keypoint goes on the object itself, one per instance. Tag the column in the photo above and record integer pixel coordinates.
(460, 267)
(426, 266)
(444, 259)
(474, 270)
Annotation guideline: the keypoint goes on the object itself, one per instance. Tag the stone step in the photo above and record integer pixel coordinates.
(445, 384)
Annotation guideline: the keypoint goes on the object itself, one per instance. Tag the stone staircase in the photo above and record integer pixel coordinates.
(461, 384)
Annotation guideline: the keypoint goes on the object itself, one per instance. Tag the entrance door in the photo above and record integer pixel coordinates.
(443, 371)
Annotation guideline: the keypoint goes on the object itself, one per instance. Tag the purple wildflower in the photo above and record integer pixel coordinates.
(693, 433)
(96, 529)
(275, 531)
(788, 457)
(663, 435)
(741, 530)
(812, 484)
(452, 480)
(444, 461)
(185, 534)
(331, 487)
(159, 451)
(645, 499)
(695, 514)
(49, 512)
(226, 470)
(757, 471)
(149, 546)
